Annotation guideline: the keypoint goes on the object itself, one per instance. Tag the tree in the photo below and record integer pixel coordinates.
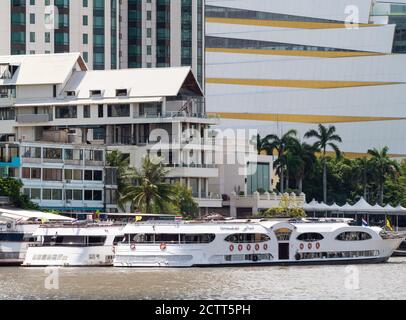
(362, 170)
(263, 145)
(148, 192)
(11, 188)
(184, 202)
(281, 144)
(383, 166)
(326, 137)
(300, 159)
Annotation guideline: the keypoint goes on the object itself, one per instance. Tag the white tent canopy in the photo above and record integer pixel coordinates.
(361, 206)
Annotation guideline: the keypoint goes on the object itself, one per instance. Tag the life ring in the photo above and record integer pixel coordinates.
(265, 246)
(317, 245)
(309, 245)
(301, 246)
(240, 247)
(132, 247)
(248, 247)
(257, 247)
(231, 247)
(162, 246)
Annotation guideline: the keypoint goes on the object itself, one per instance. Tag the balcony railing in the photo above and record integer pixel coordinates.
(34, 118)
(204, 166)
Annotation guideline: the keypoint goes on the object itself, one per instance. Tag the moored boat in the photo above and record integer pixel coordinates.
(16, 232)
(74, 244)
(189, 244)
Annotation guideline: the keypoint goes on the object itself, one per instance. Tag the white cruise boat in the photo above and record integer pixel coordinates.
(263, 242)
(75, 244)
(16, 232)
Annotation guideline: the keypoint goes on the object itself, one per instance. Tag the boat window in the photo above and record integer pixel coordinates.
(283, 234)
(142, 238)
(353, 236)
(247, 238)
(14, 237)
(197, 238)
(310, 236)
(118, 239)
(170, 237)
(96, 240)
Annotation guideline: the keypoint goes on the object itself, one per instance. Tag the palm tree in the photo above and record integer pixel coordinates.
(326, 137)
(301, 159)
(383, 166)
(281, 144)
(263, 144)
(149, 193)
(362, 170)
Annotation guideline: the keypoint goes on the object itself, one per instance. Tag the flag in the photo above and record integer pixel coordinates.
(388, 224)
(138, 218)
(364, 223)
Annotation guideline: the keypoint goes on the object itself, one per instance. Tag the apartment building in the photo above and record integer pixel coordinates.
(58, 120)
(281, 65)
(163, 33)
(109, 34)
(58, 26)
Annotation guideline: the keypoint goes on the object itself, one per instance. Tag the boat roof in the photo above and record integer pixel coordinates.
(25, 215)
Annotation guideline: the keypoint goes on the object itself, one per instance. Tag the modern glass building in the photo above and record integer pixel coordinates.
(280, 65)
(162, 33)
(57, 26)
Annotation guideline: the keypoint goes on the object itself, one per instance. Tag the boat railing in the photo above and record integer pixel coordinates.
(83, 225)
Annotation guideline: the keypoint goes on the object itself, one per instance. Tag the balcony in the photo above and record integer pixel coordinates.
(14, 162)
(192, 171)
(34, 118)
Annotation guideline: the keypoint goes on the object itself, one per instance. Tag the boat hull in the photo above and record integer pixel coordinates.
(99, 256)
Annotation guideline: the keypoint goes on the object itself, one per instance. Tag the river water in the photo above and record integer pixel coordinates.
(373, 281)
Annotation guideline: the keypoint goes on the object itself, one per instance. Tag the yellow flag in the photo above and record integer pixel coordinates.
(388, 224)
(138, 218)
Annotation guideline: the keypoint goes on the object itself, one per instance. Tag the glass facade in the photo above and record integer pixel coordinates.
(187, 25)
(18, 27)
(233, 13)
(98, 35)
(163, 33)
(259, 180)
(114, 42)
(134, 33)
(62, 32)
(200, 41)
(219, 42)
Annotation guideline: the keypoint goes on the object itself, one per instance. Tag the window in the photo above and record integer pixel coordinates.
(76, 195)
(197, 238)
(73, 174)
(32, 37)
(47, 37)
(118, 110)
(52, 174)
(52, 153)
(310, 237)
(52, 194)
(84, 3)
(100, 111)
(93, 195)
(66, 112)
(73, 154)
(70, 93)
(86, 111)
(121, 92)
(85, 20)
(353, 236)
(85, 38)
(95, 93)
(32, 18)
(247, 238)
